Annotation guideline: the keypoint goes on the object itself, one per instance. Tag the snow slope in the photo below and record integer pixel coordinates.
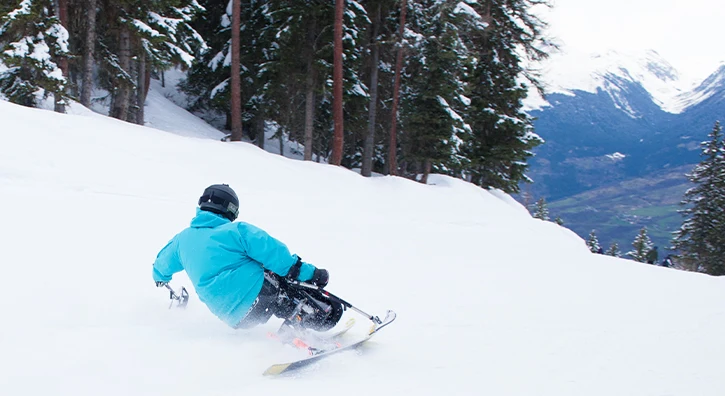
(489, 300)
(161, 114)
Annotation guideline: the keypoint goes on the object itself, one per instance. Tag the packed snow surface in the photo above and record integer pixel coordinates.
(489, 300)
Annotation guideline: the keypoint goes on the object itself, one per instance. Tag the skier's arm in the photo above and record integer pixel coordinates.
(167, 263)
(271, 253)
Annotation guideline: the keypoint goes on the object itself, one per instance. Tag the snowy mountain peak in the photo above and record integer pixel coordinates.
(659, 67)
(713, 85)
(636, 65)
(714, 80)
(614, 72)
(625, 77)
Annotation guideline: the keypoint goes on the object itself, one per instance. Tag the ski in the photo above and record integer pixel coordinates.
(302, 341)
(348, 325)
(277, 369)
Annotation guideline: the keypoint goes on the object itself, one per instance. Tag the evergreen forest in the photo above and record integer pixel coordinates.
(403, 87)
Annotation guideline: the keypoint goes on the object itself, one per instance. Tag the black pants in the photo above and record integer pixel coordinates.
(263, 307)
(279, 299)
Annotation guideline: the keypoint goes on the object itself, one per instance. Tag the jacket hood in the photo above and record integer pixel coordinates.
(204, 219)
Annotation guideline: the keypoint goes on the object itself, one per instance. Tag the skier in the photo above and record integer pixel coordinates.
(240, 272)
(652, 256)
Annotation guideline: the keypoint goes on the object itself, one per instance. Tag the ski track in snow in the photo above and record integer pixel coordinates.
(489, 300)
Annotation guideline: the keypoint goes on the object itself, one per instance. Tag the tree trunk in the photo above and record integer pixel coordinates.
(62, 12)
(337, 139)
(133, 99)
(426, 171)
(393, 143)
(88, 56)
(119, 108)
(310, 83)
(367, 160)
(259, 126)
(236, 102)
(318, 150)
(147, 80)
(309, 111)
(141, 91)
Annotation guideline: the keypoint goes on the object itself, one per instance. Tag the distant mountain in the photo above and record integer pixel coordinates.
(710, 91)
(612, 73)
(617, 116)
(610, 118)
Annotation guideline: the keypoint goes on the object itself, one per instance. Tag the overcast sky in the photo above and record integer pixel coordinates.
(689, 34)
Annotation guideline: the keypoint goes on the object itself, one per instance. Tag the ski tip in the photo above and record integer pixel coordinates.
(390, 316)
(276, 369)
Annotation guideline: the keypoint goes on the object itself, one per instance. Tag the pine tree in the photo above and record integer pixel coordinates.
(701, 238)
(460, 91)
(642, 245)
(304, 29)
(89, 50)
(593, 243)
(286, 56)
(235, 102)
(257, 43)
(614, 250)
(160, 29)
(356, 92)
(392, 158)
(297, 49)
(500, 136)
(61, 11)
(432, 87)
(32, 40)
(207, 82)
(374, 43)
(541, 210)
(558, 220)
(378, 56)
(338, 137)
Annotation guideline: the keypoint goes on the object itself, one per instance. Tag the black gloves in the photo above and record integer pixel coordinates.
(320, 277)
(294, 271)
(160, 284)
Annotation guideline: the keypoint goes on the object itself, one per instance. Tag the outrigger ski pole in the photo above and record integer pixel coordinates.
(333, 297)
(181, 299)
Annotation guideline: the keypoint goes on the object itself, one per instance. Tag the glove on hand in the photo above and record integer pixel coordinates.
(320, 278)
(160, 284)
(294, 271)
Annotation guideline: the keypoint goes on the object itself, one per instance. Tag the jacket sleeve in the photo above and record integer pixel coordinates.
(167, 263)
(271, 253)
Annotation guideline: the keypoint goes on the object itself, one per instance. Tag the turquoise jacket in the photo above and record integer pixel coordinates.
(225, 262)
